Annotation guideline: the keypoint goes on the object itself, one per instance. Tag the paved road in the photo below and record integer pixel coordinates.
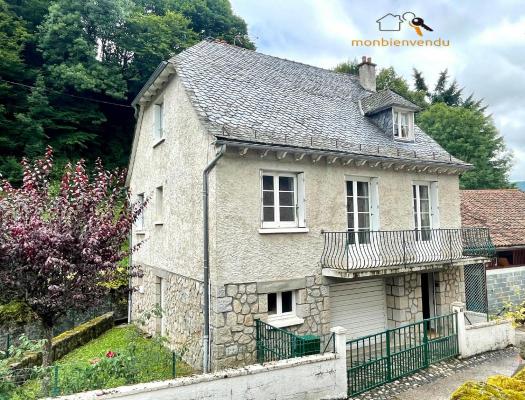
(441, 389)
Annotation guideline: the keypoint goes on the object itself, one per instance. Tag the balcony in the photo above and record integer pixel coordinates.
(353, 252)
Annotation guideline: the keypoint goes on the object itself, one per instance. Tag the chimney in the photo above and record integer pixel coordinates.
(367, 74)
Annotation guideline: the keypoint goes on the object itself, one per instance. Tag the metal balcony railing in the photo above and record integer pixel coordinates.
(376, 249)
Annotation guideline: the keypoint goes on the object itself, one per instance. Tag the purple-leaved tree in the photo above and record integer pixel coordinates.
(59, 245)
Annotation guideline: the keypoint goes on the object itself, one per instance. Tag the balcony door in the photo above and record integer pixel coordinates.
(358, 210)
(422, 211)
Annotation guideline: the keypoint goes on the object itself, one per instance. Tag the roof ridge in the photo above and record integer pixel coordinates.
(238, 48)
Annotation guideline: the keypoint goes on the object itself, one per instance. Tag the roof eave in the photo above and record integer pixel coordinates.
(453, 168)
(154, 83)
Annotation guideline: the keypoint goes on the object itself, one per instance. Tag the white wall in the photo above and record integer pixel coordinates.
(313, 377)
(484, 336)
(487, 336)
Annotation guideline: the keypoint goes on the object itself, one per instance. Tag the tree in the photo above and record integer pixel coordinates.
(471, 136)
(60, 245)
(348, 67)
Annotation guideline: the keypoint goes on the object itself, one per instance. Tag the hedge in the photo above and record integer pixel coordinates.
(70, 340)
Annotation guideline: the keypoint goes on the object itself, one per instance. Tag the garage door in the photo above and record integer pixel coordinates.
(359, 307)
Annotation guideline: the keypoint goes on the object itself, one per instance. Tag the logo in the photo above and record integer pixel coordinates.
(393, 22)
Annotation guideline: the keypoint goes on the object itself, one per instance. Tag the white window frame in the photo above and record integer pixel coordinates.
(373, 204)
(158, 121)
(140, 223)
(280, 319)
(400, 112)
(433, 207)
(299, 219)
(159, 205)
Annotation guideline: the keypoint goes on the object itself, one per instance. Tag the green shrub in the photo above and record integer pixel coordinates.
(15, 312)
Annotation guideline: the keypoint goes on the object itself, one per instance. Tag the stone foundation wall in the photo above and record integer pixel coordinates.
(238, 305)
(450, 288)
(403, 299)
(182, 311)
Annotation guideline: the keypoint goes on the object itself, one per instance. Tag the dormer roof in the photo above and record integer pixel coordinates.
(385, 99)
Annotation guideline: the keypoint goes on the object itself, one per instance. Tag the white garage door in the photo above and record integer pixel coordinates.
(359, 307)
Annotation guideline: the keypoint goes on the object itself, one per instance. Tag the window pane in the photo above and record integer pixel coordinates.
(272, 303)
(350, 217)
(267, 182)
(425, 206)
(287, 302)
(414, 193)
(287, 213)
(363, 220)
(415, 221)
(351, 236)
(396, 117)
(349, 188)
(268, 198)
(425, 220)
(350, 204)
(362, 204)
(286, 199)
(423, 192)
(286, 183)
(268, 214)
(362, 188)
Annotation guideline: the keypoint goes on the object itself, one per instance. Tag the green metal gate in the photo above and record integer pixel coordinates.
(389, 355)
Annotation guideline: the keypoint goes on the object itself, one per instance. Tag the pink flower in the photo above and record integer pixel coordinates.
(111, 354)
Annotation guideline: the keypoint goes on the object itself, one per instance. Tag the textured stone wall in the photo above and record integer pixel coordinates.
(403, 299)
(450, 288)
(238, 305)
(182, 312)
(505, 286)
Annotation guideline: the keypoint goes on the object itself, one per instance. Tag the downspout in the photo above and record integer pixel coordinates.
(206, 336)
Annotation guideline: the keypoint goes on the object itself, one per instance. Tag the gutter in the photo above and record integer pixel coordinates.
(206, 264)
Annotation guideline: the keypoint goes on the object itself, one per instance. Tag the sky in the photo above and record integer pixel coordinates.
(486, 53)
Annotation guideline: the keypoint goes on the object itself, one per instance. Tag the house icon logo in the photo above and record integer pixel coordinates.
(390, 22)
(393, 22)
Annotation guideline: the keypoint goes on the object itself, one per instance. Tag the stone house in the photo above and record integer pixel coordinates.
(503, 212)
(324, 204)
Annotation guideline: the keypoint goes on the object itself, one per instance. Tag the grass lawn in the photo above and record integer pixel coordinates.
(88, 367)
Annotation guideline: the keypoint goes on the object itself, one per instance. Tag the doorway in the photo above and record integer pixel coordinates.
(428, 293)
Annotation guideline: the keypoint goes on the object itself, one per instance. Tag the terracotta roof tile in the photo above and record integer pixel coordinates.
(502, 210)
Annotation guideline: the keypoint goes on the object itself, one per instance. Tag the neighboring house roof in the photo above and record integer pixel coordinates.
(502, 210)
(384, 99)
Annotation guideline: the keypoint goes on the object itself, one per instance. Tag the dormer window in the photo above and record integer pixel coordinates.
(403, 124)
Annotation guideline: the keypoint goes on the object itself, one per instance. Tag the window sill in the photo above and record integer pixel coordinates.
(140, 232)
(158, 223)
(284, 322)
(158, 142)
(283, 230)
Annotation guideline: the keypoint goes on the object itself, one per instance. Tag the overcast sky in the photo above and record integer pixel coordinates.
(486, 53)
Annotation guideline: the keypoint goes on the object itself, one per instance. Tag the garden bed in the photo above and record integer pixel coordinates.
(118, 357)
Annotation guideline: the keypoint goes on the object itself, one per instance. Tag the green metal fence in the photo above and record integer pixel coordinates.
(389, 355)
(275, 344)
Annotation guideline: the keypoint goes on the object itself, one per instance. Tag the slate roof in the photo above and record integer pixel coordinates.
(385, 99)
(502, 210)
(245, 95)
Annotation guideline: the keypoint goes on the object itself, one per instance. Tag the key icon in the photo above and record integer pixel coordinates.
(418, 23)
